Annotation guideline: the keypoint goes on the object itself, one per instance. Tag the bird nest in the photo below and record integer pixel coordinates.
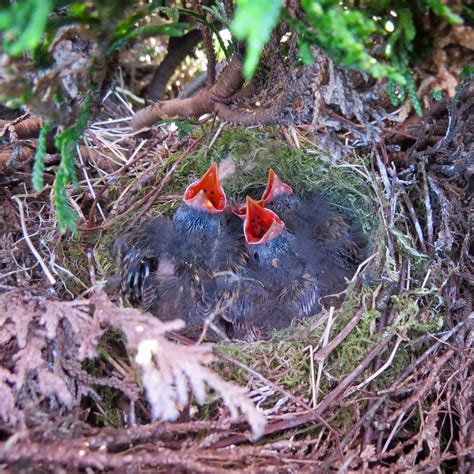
(378, 380)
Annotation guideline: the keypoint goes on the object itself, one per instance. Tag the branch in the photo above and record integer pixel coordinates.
(203, 102)
(178, 49)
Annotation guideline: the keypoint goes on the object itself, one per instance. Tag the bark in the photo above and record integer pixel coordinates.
(23, 127)
(178, 49)
(210, 55)
(277, 94)
(205, 101)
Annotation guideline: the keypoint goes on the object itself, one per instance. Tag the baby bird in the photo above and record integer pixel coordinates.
(329, 242)
(169, 262)
(274, 287)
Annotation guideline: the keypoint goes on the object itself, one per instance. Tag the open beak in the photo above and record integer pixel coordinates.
(261, 225)
(241, 211)
(206, 193)
(275, 186)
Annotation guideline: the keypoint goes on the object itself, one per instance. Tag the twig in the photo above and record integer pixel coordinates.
(277, 388)
(32, 248)
(150, 197)
(325, 337)
(214, 138)
(414, 219)
(384, 367)
(305, 418)
(430, 381)
(429, 210)
(312, 378)
(392, 433)
(363, 265)
(132, 96)
(118, 173)
(383, 174)
(394, 387)
(61, 454)
(89, 184)
(322, 354)
(90, 262)
(380, 196)
(422, 358)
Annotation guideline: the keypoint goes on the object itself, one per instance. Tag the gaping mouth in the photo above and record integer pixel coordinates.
(206, 193)
(275, 186)
(261, 225)
(241, 211)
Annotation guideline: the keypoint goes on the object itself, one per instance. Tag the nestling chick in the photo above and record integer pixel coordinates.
(331, 244)
(167, 266)
(274, 287)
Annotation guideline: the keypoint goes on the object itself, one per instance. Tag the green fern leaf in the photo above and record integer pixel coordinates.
(67, 217)
(25, 23)
(254, 21)
(38, 166)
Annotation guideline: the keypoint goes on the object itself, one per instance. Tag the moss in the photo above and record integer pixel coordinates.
(407, 322)
(343, 421)
(355, 347)
(104, 411)
(108, 415)
(284, 362)
(72, 269)
(399, 362)
(406, 246)
(284, 359)
(111, 344)
(255, 151)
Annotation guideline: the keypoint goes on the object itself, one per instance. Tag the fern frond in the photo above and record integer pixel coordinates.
(37, 177)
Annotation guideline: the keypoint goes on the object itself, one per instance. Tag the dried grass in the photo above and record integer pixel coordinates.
(379, 383)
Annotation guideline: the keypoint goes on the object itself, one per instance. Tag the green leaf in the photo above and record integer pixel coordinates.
(66, 174)
(24, 25)
(211, 25)
(437, 95)
(342, 33)
(406, 24)
(67, 217)
(306, 54)
(167, 29)
(467, 71)
(171, 12)
(67, 140)
(392, 92)
(405, 244)
(254, 21)
(444, 12)
(184, 129)
(38, 167)
(5, 20)
(219, 13)
(411, 88)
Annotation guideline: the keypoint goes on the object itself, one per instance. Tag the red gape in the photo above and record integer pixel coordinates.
(275, 186)
(207, 193)
(261, 225)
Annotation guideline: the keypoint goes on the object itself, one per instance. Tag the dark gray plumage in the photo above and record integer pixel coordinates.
(331, 243)
(166, 264)
(274, 287)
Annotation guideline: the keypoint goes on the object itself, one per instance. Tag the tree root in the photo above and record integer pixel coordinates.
(205, 101)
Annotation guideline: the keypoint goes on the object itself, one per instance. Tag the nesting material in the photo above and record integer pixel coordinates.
(240, 271)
